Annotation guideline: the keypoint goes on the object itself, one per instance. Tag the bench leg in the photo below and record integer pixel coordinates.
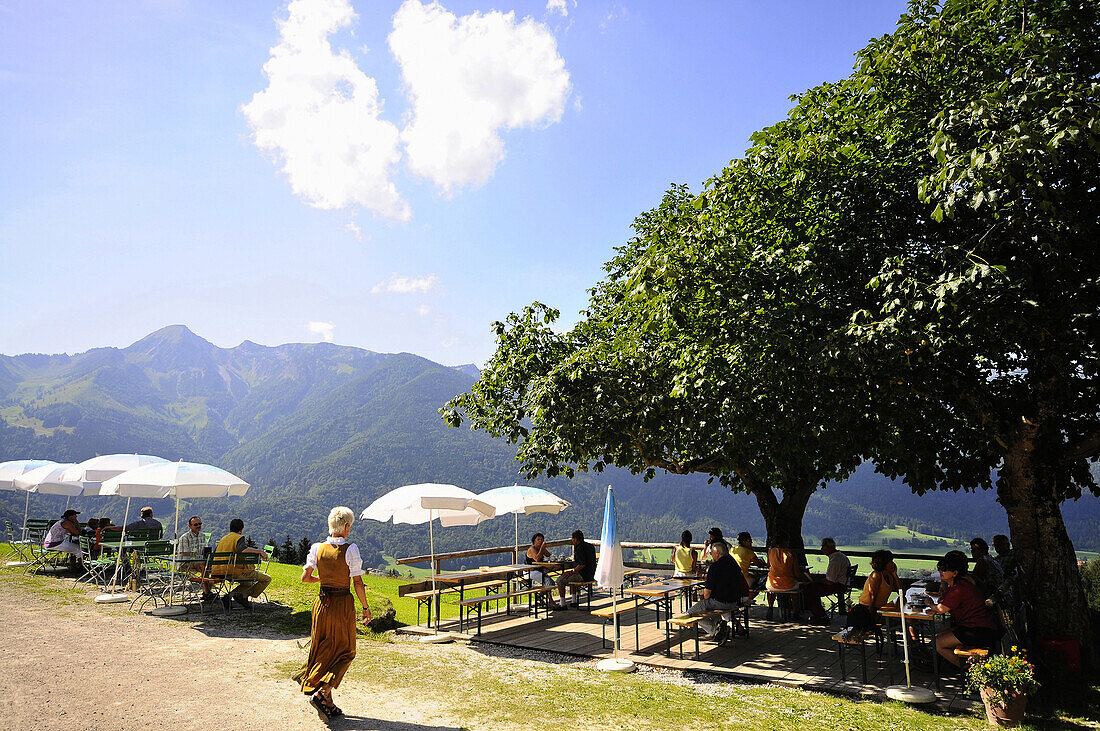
(843, 675)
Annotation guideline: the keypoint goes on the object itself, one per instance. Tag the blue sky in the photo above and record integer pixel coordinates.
(400, 176)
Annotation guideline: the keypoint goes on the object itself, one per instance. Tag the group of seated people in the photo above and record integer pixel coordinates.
(966, 594)
(64, 535)
(251, 582)
(582, 570)
(973, 623)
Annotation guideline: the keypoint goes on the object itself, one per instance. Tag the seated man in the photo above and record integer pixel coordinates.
(724, 588)
(836, 580)
(147, 522)
(987, 572)
(584, 567)
(1005, 557)
(252, 582)
(62, 536)
(192, 545)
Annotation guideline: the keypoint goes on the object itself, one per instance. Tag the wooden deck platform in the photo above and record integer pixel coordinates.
(785, 653)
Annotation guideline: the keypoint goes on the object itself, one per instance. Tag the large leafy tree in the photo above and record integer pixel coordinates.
(984, 335)
(904, 268)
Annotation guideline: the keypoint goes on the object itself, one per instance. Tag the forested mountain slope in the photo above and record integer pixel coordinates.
(315, 425)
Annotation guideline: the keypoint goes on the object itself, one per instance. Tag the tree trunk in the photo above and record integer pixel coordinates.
(1049, 578)
(784, 518)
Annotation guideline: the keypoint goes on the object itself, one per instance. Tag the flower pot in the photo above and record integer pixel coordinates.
(1008, 715)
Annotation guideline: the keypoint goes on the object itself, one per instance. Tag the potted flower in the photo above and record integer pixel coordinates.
(1004, 682)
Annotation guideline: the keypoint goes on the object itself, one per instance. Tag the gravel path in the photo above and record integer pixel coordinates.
(70, 663)
(76, 664)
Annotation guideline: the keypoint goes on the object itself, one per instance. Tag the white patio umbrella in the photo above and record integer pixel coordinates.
(609, 575)
(48, 480)
(423, 503)
(522, 499)
(17, 468)
(179, 480)
(97, 470)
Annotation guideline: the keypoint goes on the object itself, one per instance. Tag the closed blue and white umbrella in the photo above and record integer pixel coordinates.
(609, 569)
(609, 575)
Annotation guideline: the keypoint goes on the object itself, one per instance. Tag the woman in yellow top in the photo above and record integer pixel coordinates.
(882, 582)
(335, 565)
(685, 559)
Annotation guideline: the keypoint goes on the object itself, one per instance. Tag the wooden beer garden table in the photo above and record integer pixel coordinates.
(927, 616)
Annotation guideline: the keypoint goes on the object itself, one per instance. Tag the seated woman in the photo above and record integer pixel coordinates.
(62, 537)
(882, 582)
(783, 571)
(536, 553)
(972, 622)
(685, 559)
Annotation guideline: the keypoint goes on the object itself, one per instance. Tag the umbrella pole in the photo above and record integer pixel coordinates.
(615, 614)
(172, 581)
(121, 540)
(516, 516)
(26, 512)
(908, 693)
(431, 548)
(67, 499)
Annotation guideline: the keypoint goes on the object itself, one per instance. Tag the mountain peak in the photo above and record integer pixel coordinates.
(175, 347)
(172, 334)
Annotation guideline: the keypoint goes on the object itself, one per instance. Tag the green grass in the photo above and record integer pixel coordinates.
(572, 695)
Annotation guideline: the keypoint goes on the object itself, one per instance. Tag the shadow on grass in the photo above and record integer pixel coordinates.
(364, 723)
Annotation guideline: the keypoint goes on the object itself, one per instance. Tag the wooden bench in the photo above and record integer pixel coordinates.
(584, 588)
(609, 613)
(536, 596)
(969, 653)
(857, 638)
(681, 622)
(786, 599)
(426, 597)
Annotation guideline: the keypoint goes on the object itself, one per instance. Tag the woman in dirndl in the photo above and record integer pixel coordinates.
(336, 566)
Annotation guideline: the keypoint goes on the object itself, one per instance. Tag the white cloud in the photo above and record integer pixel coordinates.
(467, 79)
(406, 285)
(353, 228)
(559, 6)
(324, 329)
(423, 310)
(320, 116)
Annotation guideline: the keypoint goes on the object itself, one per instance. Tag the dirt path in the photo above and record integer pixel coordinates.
(75, 664)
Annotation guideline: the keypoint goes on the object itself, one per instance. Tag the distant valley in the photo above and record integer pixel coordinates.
(312, 425)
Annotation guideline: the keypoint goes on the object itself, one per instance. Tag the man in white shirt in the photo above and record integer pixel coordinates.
(836, 580)
(193, 544)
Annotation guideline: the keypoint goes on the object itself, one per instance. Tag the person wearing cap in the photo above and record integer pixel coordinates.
(62, 536)
(146, 522)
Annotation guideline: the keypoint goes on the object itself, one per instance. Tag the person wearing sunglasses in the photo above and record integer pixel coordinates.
(192, 544)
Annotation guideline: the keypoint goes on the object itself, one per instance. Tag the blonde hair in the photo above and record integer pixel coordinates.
(338, 518)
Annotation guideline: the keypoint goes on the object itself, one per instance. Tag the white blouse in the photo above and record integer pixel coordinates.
(355, 561)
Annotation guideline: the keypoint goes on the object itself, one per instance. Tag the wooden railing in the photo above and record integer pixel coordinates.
(440, 557)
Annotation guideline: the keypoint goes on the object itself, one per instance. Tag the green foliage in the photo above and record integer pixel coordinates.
(1003, 675)
(1090, 580)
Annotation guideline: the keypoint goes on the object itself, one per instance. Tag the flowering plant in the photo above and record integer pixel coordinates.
(1003, 675)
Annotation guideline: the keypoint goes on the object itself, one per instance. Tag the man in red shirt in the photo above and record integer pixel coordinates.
(972, 622)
